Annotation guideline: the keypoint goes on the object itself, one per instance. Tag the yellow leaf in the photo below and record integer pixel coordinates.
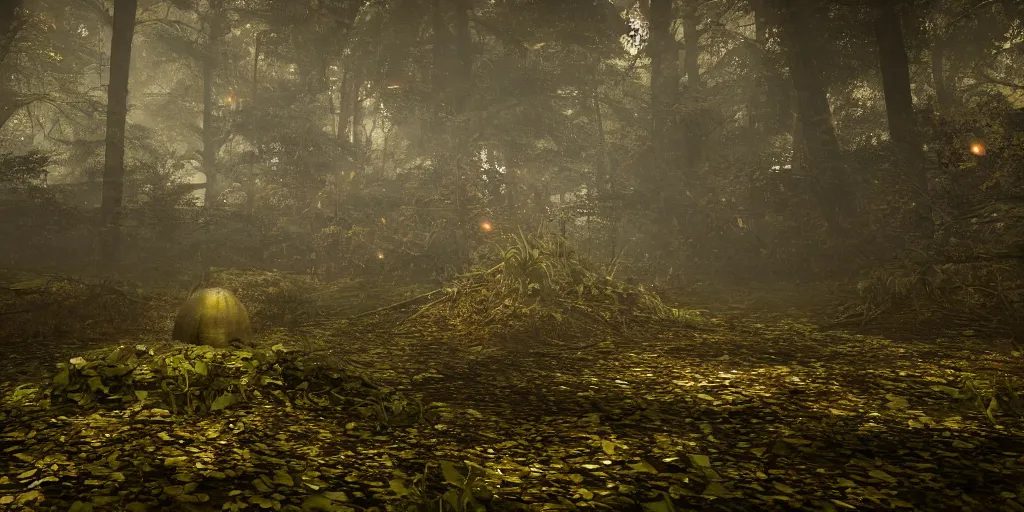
(701, 461)
(608, 447)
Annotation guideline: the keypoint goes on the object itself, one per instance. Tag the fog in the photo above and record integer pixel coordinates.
(506, 254)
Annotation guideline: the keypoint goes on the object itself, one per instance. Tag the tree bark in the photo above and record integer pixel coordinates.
(117, 114)
(463, 90)
(798, 24)
(209, 153)
(755, 103)
(438, 68)
(693, 138)
(217, 30)
(899, 106)
(664, 93)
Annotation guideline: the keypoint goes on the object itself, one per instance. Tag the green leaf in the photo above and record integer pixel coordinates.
(336, 496)
(96, 384)
(398, 485)
(79, 506)
(281, 477)
(715, 489)
(223, 401)
(318, 504)
(608, 447)
(451, 474)
(23, 391)
(665, 505)
(701, 461)
(881, 475)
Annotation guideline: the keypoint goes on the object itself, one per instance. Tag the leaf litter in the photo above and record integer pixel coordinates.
(718, 416)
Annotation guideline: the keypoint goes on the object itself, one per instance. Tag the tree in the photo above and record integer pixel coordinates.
(217, 27)
(799, 22)
(117, 112)
(692, 129)
(664, 93)
(899, 105)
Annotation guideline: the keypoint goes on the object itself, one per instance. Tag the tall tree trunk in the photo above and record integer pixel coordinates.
(603, 183)
(823, 154)
(799, 159)
(693, 136)
(899, 107)
(462, 89)
(117, 114)
(438, 125)
(664, 94)
(217, 30)
(209, 135)
(439, 65)
(755, 103)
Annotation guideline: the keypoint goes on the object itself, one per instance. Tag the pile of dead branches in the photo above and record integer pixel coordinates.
(539, 286)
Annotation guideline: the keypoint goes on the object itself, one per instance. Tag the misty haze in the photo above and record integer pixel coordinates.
(511, 255)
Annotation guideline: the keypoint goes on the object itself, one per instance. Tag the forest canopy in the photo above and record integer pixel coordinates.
(738, 139)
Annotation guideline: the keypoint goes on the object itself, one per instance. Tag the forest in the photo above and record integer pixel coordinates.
(511, 255)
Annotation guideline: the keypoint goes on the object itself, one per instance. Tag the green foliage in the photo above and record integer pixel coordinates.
(995, 394)
(203, 380)
(451, 487)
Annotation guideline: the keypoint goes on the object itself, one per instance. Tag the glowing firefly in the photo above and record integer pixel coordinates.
(486, 226)
(380, 255)
(978, 148)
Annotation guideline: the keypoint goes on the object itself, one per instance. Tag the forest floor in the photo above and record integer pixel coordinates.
(761, 411)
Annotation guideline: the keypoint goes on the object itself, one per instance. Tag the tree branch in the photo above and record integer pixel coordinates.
(988, 78)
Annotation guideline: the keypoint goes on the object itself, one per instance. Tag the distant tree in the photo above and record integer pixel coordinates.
(802, 36)
(196, 31)
(899, 106)
(117, 112)
(664, 53)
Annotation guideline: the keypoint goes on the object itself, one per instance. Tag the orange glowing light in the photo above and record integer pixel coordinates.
(380, 255)
(978, 148)
(486, 226)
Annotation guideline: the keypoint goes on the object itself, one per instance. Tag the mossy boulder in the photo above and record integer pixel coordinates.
(213, 317)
